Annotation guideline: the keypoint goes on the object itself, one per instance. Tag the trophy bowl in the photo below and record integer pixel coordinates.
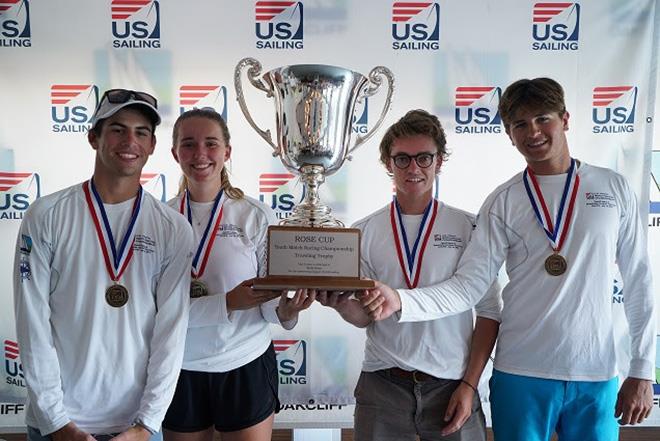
(314, 106)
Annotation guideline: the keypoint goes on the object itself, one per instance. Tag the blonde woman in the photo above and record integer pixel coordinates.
(228, 382)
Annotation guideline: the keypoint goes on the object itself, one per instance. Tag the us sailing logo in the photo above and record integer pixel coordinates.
(15, 23)
(17, 191)
(617, 290)
(361, 117)
(291, 361)
(154, 183)
(13, 367)
(279, 24)
(135, 24)
(613, 109)
(72, 106)
(654, 191)
(215, 97)
(277, 191)
(415, 26)
(555, 26)
(476, 109)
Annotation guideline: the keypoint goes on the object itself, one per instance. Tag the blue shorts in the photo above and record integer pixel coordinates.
(531, 409)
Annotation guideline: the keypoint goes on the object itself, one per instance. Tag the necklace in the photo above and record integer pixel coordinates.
(201, 213)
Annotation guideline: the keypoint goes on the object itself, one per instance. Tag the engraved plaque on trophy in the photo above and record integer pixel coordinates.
(314, 107)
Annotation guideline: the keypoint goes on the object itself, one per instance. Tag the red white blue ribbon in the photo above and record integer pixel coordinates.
(120, 256)
(411, 266)
(208, 238)
(557, 231)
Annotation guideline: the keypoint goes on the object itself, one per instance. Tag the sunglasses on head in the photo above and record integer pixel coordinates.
(120, 96)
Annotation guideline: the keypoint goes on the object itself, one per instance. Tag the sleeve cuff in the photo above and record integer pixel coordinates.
(290, 324)
(642, 369)
(48, 429)
(490, 315)
(269, 311)
(223, 314)
(406, 313)
(140, 422)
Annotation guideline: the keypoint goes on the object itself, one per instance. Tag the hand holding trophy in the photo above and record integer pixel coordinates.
(314, 107)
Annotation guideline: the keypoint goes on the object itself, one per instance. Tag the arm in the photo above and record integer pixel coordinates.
(476, 272)
(459, 408)
(635, 399)
(214, 309)
(170, 324)
(348, 304)
(41, 366)
(489, 315)
(284, 311)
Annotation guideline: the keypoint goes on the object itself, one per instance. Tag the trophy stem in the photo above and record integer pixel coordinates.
(311, 212)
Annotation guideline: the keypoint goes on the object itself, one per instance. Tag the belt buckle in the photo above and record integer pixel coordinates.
(415, 379)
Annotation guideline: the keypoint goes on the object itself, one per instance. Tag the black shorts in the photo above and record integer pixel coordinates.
(229, 401)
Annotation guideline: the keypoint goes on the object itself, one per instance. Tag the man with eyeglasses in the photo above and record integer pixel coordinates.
(561, 225)
(418, 378)
(102, 275)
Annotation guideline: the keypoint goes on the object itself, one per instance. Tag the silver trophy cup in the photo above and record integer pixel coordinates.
(314, 105)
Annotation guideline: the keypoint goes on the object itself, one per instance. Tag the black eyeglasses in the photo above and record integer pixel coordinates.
(423, 160)
(120, 96)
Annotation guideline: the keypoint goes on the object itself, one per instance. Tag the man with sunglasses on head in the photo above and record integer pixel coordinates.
(418, 378)
(102, 276)
(561, 225)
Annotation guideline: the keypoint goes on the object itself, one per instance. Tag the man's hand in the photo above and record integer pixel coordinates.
(336, 300)
(135, 433)
(380, 302)
(634, 402)
(348, 307)
(289, 308)
(459, 409)
(71, 432)
(244, 297)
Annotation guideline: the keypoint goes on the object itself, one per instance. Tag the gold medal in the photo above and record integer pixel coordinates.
(555, 264)
(198, 289)
(116, 295)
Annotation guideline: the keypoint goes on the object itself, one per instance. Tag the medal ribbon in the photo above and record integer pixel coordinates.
(122, 256)
(208, 238)
(556, 233)
(412, 265)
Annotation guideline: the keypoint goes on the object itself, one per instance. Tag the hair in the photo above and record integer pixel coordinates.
(538, 93)
(415, 122)
(210, 114)
(98, 127)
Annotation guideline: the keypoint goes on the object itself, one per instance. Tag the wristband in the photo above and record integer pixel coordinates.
(471, 387)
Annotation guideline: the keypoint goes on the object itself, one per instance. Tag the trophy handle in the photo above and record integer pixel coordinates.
(371, 89)
(253, 75)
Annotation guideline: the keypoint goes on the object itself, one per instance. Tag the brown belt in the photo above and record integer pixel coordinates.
(414, 376)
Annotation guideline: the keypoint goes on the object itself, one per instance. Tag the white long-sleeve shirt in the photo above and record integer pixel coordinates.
(85, 361)
(557, 327)
(439, 347)
(218, 340)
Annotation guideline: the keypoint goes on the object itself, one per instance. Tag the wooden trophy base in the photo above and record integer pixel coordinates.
(313, 282)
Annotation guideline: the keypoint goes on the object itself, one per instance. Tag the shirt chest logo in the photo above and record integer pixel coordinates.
(447, 240)
(144, 244)
(600, 200)
(230, 230)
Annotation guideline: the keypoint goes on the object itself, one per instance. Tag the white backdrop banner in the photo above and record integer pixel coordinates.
(57, 56)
